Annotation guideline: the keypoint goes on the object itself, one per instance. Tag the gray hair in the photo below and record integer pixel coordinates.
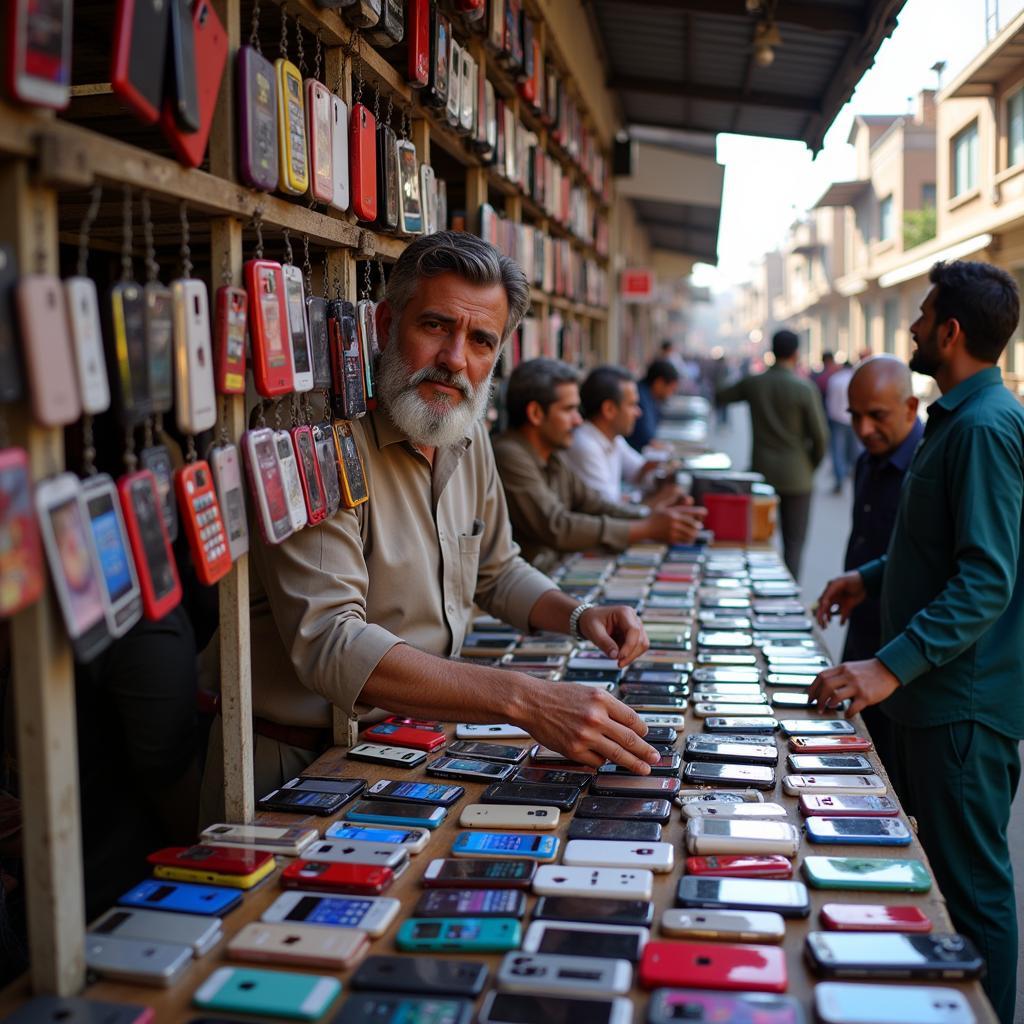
(461, 253)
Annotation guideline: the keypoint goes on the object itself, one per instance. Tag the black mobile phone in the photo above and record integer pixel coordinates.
(73, 1010)
(292, 801)
(387, 178)
(591, 675)
(737, 723)
(668, 765)
(505, 753)
(653, 690)
(470, 903)
(586, 910)
(182, 89)
(394, 757)
(654, 701)
(661, 734)
(705, 773)
(423, 975)
(127, 356)
(513, 873)
(474, 769)
(160, 345)
(703, 747)
(508, 1008)
(157, 459)
(790, 899)
(552, 777)
(12, 379)
(570, 941)
(390, 809)
(434, 794)
(652, 675)
(635, 786)
(623, 831)
(369, 1006)
(562, 797)
(873, 955)
(319, 342)
(138, 55)
(316, 784)
(625, 808)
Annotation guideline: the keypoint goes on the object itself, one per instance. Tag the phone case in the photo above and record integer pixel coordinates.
(605, 853)
(828, 744)
(362, 152)
(606, 883)
(356, 879)
(196, 404)
(321, 151)
(713, 836)
(336, 949)
(393, 813)
(741, 865)
(371, 914)
(324, 447)
(621, 831)
(143, 962)
(362, 13)
(867, 874)
(669, 1005)
(467, 93)
(182, 898)
(358, 851)
(258, 165)
(87, 343)
(366, 1006)
(395, 757)
(293, 163)
(417, 35)
(453, 104)
(221, 859)
(842, 1003)
(204, 526)
(181, 93)
(564, 975)
(21, 556)
(860, 831)
(309, 475)
(272, 838)
(180, 873)
(480, 873)
(887, 955)
(562, 797)
(436, 93)
(866, 785)
(404, 736)
(433, 793)
(271, 347)
(227, 479)
(229, 337)
(790, 899)
(366, 323)
(156, 377)
(266, 484)
(348, 393)
(339, 149)
(140, 46)
(387, 178)
(505, 844)
(210, 43)
(459, 934)
(412, 839)
(866, 917)
(716, 966)
(422, 975)
(157, 925)
(350, 466)
(428, 198)
(267, 993)
(389, 30)
(849, 806)
(290, 478)
(533, 817)
(410, 199)
(625, 808)
(727, 925)
(74, 1010)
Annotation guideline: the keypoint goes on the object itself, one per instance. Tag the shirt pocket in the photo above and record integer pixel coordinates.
(925, 509)
(469, 559)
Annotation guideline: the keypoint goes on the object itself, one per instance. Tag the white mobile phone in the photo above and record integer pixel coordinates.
(564, 936)
(727, 796)
(359, 851)
(624, 884)
(839, 1002)
(298, 329)
(833, 764)
(564, 975)
(146, 963)
(707, 710)
(334, 948)
(677, 722)
(198, 932)
(711, 691)
(453, 109)
(866, 785)
(267, 485)
(535, 818)
(339, 148)
(412, 839)
(371, 914)
(117, 567)
(428, 192)
(718, 697)
(87, 337)
(195, 396)
(601, 853)
(725, 925)
(467, 90)
(712, 836)
(288, 841)
(378, 753)
(285, 449)
(494, 732)
(227, 480)
(720, 809)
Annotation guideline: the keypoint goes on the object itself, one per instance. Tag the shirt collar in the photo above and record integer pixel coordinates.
(589, 430)
(904, 452)
(990, 377)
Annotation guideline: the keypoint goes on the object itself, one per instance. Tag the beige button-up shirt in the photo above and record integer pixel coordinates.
(408, 565)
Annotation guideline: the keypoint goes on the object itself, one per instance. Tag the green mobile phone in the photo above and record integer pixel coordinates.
(459, 934)
(267, 993)
(868, 873)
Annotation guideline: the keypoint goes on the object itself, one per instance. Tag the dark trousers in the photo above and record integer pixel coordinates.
(794, 514)
(959, 780)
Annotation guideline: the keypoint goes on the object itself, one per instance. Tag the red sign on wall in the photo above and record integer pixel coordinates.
(637, 284)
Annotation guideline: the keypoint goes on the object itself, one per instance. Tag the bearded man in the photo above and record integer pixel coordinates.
(363, 611)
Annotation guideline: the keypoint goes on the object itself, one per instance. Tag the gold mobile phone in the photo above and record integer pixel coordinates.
(292, 149)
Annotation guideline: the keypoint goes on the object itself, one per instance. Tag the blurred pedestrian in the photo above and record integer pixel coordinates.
(660, 384)
(842, 442)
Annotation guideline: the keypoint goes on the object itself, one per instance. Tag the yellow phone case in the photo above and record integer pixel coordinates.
(350, 466)
(177, 874)
(292, 148)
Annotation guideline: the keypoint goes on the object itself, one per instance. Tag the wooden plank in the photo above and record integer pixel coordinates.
(44, 681)
(476, 194)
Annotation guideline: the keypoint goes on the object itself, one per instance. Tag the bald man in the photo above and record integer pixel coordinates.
(883, 413)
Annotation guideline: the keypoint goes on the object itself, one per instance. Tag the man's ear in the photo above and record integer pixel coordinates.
(535, 414)
(953, 332)
(609, 407)
(912, 404)
(383, 317)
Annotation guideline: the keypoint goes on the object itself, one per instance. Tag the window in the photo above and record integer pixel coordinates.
(885, 218)
(1015, 128)
(965, 159)
(928, 193)
(891, 316)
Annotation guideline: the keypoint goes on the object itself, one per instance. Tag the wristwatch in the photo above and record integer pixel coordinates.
(574, 620)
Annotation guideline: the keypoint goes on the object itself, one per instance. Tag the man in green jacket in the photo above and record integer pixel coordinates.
(949, 672)
(790, 438)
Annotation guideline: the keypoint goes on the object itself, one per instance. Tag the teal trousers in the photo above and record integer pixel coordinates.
(959, 781)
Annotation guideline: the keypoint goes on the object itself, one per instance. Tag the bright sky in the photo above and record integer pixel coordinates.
(768, 183)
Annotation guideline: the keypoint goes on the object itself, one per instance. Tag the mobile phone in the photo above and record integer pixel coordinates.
(182, 898)
(625, 808)
(269, 993)
(149, 925)
(504, 753)
(12, 378)
(436, 93)
(552, 777)
(357, 879)
(334, 948)
(222, 859)
(433, 793)
(318, 133)
(293, 163)
(848, 805)
(740, 724)
(290, 478)
(674, 722)
(348, 394)
(467, 93)
(722, 750)
(157, 459)
(473, 769)
(323, 444)
(266, 484)
(387, 178)
(273, 838)
(227, 479)
(298, 332)
(271, 348)
(879, 955)
(405, 736)
(410, 205)
(350, 466)
(727, 835)
(607, 941)
(412, 839)
(365, 1006)
(727, 925)
(719, 965)
(310, 477)
(360, 851)
(157, 376)
(366, 328)
(178, 873)
(724, 809)
(790, 899)
(87, 343)
(706, 773)
(339, 153)
(471, 903)
(716, 796)
(143, 962)
(21, 559)
(828, 744)
(303, 802)
(470, 731)
(39, 52)
(642, 786)
(667, 766)
(562, 797)
(459, 935)
(563, 975)
(578, 880)
(837, 764)
(869, 785)
(193, 357)
(867, 873)
(210, 46)
(588, 910)
(117, 567)
(708, 709)
(505, 844)
(48, 350)
(417, 36)
(319, 341)
(181, 89)
(476, 873)
(837, 1002)
(256, 81)
(623, 831)
(389, 31)
(371, 914)
(362, 13)
(204, 525)
(362, 152)
(376, 753)
(150, 544)
(524, 816)
(393, 813)
(599, 853)
(428, 198)
(512, 1007)
(232, 307)
(669, 1005)
(868, 917)
(423, 975)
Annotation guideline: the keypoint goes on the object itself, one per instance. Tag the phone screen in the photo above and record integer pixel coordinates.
(353, 464)
(263, 122)
(148, 515)
(417, 791)
(749, 890)
(46, 24)
(410, 181)
(329, 471)
(297, 323)
(437, 902)
(308, 457)
(390, 836)
(113, 555)
(511, 1009)
(464, 930)
(18, 539)
(316, 318)
(85, 602)
(507, 843)
(159, 334)
(347, 913)
(568, 941)
(270, 305)
(465, 764)
(331, 786)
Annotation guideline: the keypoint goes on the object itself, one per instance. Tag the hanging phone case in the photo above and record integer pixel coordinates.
(363, 162)
(159, 345)
(319, 341)
(266, 485)
(293, 161)
(181, 87)
(323, 441)
(87, 343)
(271, 348)
(339, 148)
(290, 476)
(428, 198)
(309, 475)
(204, 525)
(229, 334)
(440, 46)
(350, 466)
(389, 31)
(257, 120)
(366, 323)
(127, 355)
(226, 466)
(196, 402)
(139, 53)
(157, 459)
(417, 34)
(387, 178)
(318, 132)
(12, 377)
(348, 393)
(298, 331)
(410, 204)
(21, 553)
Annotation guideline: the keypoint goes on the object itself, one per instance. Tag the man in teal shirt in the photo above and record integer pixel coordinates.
(949, 673)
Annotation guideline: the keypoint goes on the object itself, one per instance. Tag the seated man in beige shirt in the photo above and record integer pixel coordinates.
(364, 610)
(553, 511)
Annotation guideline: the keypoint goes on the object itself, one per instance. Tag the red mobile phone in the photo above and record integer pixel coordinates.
(271, 345)
(139, 55)
(357, 879)
(713, 965)
(417, 37)
(874, 917)
(211, 54)
(39, 52)
(741, 866)
(362, 155)
(223, 859)
(21, 554)
(404, 736)
(232, 315)
(828, 744)
(204, 525)
(416, 723)
(310, 477)
(147, 534)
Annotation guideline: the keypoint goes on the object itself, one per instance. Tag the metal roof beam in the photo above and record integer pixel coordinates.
(814, 16)
(713, 93)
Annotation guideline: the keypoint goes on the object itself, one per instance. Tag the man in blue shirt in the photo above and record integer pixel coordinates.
(952, 614)
(661, 382)
(883, 414)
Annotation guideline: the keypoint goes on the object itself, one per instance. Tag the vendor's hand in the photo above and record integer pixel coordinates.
(841, 595)
(587, 725)
(668, 495)
(616, 631)
(677, 525)
(863, 683)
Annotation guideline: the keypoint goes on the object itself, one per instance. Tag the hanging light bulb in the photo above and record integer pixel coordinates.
(766, 39)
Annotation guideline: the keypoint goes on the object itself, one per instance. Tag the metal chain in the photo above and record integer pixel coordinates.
(300, 47)
(261, 417)
(277, 414)
(257, 223)
(318, 54)
(289, 256)
(224, 437)
(307, 267)
(380, 274)
(190, 449)
(5, 435)
(83, 232)
(225, 268)
(186, 252)
(88, 446)
(346, 55)
(293, 403)
(152, 267)
(39, 213)
(326, 278)
(126, 235)
(284, 34)
(357, 70)
(366, 280)
(327, 406)
(391, 107)
(406, 124)
(254, 32)
(376, 106)
(147, 433)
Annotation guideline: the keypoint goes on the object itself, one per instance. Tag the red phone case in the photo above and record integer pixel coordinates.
(121, 56)
(416, 723)
(362, 155)
(404, 736)
(718, 965)
(211, 54)
(204, 524)
(417, 37)
(229, 331)
(21, 553)
(271, 345)
(222, 859)
(829, 744)
(741, 866)
(874, 917)
(313, 491)
(356, 879)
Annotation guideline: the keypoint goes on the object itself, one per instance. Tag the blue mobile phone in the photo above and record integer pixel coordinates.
(460, 934)
(390, 836)
(417, 792)
(505, 844)
(182, 897)
(389, 813)
(861, 831)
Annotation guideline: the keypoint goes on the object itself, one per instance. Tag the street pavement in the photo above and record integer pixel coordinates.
(823, 559)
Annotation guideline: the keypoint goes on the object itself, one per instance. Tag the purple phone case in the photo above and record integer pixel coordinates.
(257, 120)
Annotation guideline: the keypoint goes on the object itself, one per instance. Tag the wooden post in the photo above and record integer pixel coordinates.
(44, 680)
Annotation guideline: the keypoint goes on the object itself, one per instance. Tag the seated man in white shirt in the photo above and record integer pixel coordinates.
(599, 454)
